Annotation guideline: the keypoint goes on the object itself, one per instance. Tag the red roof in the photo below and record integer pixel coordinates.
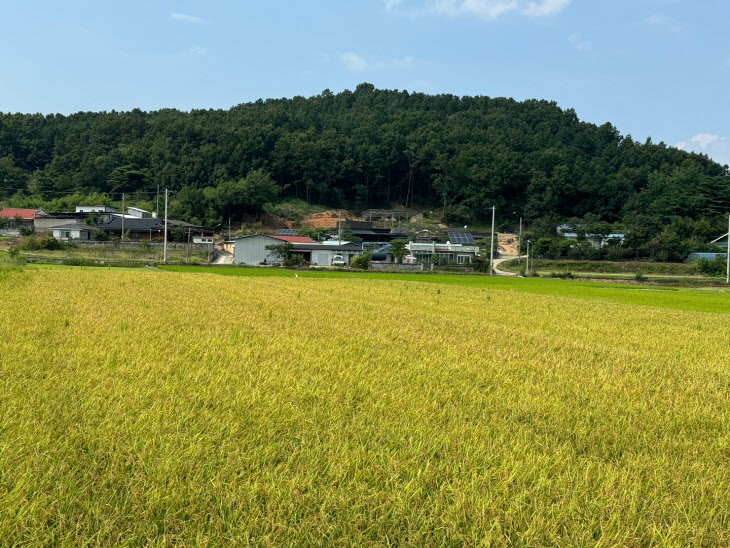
(296, 239)
(22, 213)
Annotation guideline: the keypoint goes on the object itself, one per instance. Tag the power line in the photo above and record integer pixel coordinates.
(60, 193)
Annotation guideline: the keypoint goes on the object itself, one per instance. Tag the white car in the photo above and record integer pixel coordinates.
(338, 260)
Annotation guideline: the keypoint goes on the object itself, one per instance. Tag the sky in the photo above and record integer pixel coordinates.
(653, 68)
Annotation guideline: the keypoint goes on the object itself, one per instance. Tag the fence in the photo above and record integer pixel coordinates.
(140, 243)
(399, 267)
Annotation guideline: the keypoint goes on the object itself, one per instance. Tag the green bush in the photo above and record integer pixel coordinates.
(36, 243)
(712, 267)
(295, 260)
(362, 261)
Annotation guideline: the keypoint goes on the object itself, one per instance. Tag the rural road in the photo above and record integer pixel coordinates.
(223, 257)
(501, 260)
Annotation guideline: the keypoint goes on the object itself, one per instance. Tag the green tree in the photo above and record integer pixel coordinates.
(399, 249)
(282, 252)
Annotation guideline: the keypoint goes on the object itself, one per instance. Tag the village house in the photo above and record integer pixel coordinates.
(17, 218)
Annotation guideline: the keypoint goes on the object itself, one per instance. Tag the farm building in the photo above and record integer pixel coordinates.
(323, 254)
(252, 250)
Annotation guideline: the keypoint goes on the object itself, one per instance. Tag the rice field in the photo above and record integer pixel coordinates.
(182, 408)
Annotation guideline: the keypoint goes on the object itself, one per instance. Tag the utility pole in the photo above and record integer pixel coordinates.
(164, 246)
(188, 253)
(519, 243)
(157, 208)
(339, 227)
(527, 260)
(122, 216)
(229, 229)
(728, 250)
(491, 247)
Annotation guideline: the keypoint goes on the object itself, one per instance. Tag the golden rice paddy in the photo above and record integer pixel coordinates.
(167, 408)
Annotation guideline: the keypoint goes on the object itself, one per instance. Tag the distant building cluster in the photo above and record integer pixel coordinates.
(135, 224)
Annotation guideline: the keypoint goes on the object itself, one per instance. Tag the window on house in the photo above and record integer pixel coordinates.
(462, 259)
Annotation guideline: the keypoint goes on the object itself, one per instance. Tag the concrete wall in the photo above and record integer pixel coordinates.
(399, 267)
(138, 243)
(73, 234)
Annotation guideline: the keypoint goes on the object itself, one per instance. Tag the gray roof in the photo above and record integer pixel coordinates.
(75, 226)
(320, 247)
(133, 224)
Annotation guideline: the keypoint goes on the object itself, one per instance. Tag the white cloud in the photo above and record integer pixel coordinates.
(706, 139)
(357, 63)
(578, 42)
(195, 51)
(662, 21)
(716, 147)
(546, 7)
(185, 18)
(353, 61)
(484, 9)
(390, 5)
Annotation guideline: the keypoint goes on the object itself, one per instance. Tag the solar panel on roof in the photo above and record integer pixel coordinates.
(286, 232)
(460, 237)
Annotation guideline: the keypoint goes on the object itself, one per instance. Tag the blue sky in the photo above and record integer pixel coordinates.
(658, 68)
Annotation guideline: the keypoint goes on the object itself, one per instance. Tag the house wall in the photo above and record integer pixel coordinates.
(72, 234)
(252, 250)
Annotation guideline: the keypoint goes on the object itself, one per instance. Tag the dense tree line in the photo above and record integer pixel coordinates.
(367, 148)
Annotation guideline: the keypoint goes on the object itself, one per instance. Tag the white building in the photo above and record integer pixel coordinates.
(444, 253)
(73, 232)
(95, 209)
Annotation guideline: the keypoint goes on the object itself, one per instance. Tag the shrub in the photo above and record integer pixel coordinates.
(294, 260)
(362, 261)
(712, 267)
(35, 243)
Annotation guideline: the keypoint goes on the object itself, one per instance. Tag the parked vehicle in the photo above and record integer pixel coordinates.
(338, 260)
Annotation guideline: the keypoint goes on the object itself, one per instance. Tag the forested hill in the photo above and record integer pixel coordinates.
(364, 148)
